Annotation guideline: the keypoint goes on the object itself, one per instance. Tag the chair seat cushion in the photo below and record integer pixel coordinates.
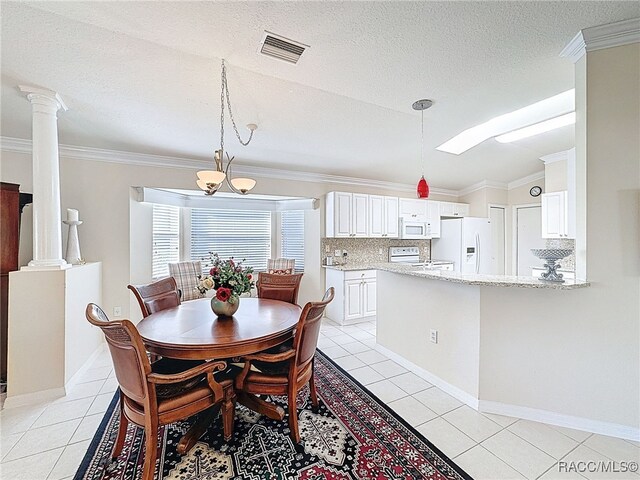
(192, 395)
(169, 366)
(275, 368)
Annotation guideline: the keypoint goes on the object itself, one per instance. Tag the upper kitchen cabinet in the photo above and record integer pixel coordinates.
(556, 216)
(414, 209)
(433, 219)
(452, 209)
(383, 216)
(347, 214)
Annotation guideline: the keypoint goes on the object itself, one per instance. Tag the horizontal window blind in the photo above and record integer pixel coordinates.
(292, 235)
(166, 239)
(242, 234)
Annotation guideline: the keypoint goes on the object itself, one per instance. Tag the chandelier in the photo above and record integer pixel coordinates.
(211, 180)
(423, 187)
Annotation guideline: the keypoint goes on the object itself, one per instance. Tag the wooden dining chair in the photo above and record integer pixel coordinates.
(285, 371)
(151, 399)
(156, 296)
(279, 287)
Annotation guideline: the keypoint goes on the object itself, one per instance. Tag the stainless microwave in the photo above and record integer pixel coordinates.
(412, 230)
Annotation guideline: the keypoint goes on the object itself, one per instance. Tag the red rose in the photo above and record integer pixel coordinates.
(223, 294)
(249, 276)
(213, 271)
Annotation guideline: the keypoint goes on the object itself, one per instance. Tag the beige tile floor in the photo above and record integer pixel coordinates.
(48, 440)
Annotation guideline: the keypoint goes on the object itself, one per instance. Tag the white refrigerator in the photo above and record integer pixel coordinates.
(466, 242)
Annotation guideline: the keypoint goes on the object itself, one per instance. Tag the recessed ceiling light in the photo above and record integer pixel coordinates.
(535, 113)
(535, 129)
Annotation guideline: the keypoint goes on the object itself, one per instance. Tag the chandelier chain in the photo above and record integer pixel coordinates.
(224, 95)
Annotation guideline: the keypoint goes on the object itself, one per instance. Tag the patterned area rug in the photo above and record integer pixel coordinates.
(352, 436)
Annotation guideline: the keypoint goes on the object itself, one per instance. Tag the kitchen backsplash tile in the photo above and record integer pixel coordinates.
(568, 263)
(367, 250)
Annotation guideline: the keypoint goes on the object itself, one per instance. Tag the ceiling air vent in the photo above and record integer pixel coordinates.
(281, 48)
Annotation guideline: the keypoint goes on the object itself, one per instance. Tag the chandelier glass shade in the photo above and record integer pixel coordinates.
(210, 181)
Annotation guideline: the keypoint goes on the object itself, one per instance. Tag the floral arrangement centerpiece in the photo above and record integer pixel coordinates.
(229, 279)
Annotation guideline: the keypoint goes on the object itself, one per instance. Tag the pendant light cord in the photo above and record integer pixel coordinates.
(422, 140)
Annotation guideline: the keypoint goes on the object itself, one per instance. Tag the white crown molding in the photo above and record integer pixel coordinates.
(524, 180)
(19, 145)
(480, 185)
(555, 157)
(602, 36)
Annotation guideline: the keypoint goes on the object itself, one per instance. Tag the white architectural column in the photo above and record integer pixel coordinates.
(47, 228)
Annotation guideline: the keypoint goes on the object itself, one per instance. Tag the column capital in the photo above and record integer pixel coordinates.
(43, 96)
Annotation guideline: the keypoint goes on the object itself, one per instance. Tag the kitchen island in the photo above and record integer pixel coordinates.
(503, 344)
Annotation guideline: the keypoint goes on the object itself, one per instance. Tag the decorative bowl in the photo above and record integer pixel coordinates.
(550, 256)
(551, 253)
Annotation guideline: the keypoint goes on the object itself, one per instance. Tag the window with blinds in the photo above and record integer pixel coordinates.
(292, 237)
(242, 234)
(166, 238)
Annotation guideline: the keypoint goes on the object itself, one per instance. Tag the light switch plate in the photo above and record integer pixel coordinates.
(117, 311)
(327, 249)
(337, 253)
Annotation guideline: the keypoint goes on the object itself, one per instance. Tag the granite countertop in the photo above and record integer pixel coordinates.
(464, 278)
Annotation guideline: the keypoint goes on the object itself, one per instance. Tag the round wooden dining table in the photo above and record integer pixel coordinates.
(192, 331)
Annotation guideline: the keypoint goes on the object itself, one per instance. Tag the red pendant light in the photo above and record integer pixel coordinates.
(423, 187)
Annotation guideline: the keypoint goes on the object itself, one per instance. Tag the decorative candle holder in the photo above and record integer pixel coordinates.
(551, 256)
(73, 244)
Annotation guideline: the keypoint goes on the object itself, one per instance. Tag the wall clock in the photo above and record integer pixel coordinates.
(535, 191)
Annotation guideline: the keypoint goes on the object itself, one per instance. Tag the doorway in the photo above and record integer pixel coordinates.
(527, 235)
(498, 218)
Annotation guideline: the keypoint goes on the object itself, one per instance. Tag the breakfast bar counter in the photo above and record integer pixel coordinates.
(464, 278)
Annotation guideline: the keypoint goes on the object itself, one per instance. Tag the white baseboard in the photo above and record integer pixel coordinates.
(51, 394)
(452, 390)
(561, 420)
(85, 366)
(526, 413)
(40, 396)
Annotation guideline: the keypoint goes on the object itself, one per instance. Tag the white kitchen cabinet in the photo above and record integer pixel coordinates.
(453, 209)
(376, 215)
(433, 219)
(355, 296)
(346, 215)
(391, 217)
(338, 214)
(413, 209)
(354, 300)
(555, 215)
(359, 215)
(383, 216)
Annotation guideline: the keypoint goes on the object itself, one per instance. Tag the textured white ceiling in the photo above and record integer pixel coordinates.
(144, 77)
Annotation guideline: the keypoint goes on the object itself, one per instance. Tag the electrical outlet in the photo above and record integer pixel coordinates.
(337, 253)
(433, 336)
(117, 311)
(327, 249)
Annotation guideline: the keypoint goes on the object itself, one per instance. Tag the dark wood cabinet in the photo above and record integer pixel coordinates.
(11, 203)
